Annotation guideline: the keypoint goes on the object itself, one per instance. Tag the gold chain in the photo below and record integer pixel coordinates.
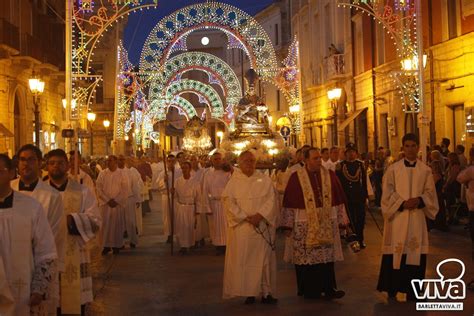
(348, 176)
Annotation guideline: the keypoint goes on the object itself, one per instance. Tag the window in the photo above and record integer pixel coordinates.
(380, 43)
(99, 94)
(452, 19)
(359, 44)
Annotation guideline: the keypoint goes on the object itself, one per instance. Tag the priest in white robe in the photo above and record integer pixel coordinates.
(202, 226)
(215, 181)
(134, 200)
(83, 223)
(408, 197)
(250, 207)
(28, 255)
(186, 195)
(30, 183)
(112, 193)
(165, 185)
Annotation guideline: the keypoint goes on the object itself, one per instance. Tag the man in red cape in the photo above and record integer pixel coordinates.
(314, 209)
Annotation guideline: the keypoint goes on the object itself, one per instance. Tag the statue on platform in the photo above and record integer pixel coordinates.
(251, 112)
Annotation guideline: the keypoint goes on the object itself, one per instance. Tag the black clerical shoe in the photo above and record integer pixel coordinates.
(106, 250)
(269, 299)
(250, 300)
(336, 294)
(116, 251)
(392, 294)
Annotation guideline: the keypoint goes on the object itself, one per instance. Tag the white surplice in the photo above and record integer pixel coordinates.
(53, 206)
(133, 214)
(202, 228)
(26, 243)
(86, 215)
(250, 261)
(112, 185)
(214, 183)
(186, 195)
(406, 232)
(166, 212)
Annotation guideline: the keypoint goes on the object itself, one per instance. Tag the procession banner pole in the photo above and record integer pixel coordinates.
(172, 210)
(168, 196)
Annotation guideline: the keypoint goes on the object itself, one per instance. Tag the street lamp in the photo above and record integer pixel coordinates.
(295, 121)
(334, 95)
(106, 123)
(36, 88)
(412, 64)
(91, 118)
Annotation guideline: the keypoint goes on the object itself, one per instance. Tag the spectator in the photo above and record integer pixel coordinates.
(462, 158)
(452, 188)
(438, 177)
(445, 142)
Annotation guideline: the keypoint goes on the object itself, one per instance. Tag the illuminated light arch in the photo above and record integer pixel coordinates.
(192, 86)
(159, 108)
(219, 72)
(171, 29)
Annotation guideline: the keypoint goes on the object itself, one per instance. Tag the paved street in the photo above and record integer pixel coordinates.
(149, 281)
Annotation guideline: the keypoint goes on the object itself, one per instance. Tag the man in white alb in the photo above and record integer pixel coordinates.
(215, 181)
(112, 194)
(28, 255)
(250, 207)
(29, 183)
(83, 223)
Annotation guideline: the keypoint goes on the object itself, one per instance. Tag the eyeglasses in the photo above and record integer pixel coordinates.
(28, 160)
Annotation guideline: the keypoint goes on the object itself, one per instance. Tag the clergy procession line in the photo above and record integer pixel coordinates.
(50, 217)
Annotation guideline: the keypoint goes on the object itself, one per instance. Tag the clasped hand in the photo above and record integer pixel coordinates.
(112, 203)
(254, 219)
(411, 204)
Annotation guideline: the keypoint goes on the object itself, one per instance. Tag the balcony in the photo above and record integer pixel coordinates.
(41, 50)
(334, 67)
(9, 35)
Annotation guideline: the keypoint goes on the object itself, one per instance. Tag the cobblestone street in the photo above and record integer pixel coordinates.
(149, 281)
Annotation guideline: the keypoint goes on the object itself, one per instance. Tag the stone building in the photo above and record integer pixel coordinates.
(346, 49)
(31, 43)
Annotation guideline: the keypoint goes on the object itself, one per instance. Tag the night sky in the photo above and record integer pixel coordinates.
(141, 23)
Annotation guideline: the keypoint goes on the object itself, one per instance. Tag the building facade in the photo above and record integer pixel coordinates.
(343, 48)
(31, 44)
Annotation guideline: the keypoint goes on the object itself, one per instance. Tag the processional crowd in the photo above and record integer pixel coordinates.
(52, 212)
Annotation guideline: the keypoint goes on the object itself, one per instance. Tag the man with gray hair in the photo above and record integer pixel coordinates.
(250, 207)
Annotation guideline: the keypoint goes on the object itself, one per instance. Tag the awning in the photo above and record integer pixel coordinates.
(5, 132)
(348, 121)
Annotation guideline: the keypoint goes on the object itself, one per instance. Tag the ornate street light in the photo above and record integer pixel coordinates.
(91, 118)
(36, 88)
(106, 123)
(334, 95)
